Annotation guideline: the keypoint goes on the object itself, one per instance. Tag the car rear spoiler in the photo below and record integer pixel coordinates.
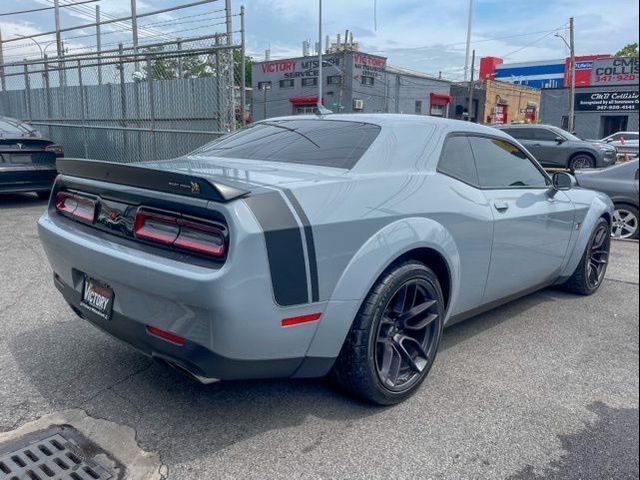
(206, 187)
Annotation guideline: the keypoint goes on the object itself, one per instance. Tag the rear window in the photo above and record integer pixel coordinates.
(325, 143)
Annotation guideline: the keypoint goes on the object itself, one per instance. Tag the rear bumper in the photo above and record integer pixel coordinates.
(193, 358)
(230, 323)
(26, 179)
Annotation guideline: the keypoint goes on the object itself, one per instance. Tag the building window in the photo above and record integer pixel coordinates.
(289, 83)
(369, 81)
(419, 107)
(304, 109)
(309, 82)
(437, 110)
(334, 80)
(264, 85)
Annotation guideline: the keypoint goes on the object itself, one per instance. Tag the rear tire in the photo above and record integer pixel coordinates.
(581, 161)
(589, 274)
(395, 337)
(625, 222)
(43, 195)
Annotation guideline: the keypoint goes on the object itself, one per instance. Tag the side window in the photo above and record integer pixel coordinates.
(546, 135)
(521, 133)
(456, 160)
(501, 164)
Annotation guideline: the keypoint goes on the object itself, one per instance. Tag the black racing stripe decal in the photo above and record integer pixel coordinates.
(311, 246)
(284, 247)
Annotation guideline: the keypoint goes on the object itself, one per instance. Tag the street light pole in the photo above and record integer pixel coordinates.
(320, 55)
(468, 49)
(572, 95)
(572, 75)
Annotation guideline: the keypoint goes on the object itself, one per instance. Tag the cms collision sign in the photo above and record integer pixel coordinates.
(615, 71)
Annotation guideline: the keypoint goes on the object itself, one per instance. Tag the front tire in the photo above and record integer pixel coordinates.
(581, 161)
(395, 337)
(589, 274)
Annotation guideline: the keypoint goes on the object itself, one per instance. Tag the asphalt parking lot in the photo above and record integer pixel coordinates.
(546, 387)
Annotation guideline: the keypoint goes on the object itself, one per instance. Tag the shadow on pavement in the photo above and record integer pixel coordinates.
(73, 365)
(20, 200)
(606, 448)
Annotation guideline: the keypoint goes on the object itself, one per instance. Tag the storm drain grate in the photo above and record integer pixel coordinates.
(50, 458)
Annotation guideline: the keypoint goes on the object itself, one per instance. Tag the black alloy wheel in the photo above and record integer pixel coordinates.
(407, 335)
(589, 275)
(395, 337)
(598, 256)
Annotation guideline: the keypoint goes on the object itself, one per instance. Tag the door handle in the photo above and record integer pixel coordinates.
(501, 206)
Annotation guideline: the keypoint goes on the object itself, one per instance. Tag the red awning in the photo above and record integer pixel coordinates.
(440, 98)
(304, 100)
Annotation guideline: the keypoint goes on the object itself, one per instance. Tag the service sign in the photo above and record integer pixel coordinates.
(615, 71)
(607, 101)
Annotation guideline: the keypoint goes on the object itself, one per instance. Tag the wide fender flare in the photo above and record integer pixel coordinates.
(366, 266)
(600, 204)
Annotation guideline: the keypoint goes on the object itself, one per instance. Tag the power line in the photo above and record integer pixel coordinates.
(46, 8)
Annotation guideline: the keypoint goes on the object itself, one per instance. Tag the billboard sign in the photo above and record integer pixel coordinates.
(611, 101)
(615, 71)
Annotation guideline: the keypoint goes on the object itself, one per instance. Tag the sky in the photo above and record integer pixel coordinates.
(423, 35)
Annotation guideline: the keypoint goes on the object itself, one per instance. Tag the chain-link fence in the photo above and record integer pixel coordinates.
(126, 105)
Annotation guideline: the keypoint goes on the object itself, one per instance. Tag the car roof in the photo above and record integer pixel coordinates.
(525, 125)
(396, 120)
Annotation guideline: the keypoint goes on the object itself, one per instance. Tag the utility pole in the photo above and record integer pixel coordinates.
(231, 93)
(3, 81)
(134, 25)
(572, 72)
(62, 73)
(468, 49)
(471, 85)
(320, 55)
(98, 44)
(243, 69)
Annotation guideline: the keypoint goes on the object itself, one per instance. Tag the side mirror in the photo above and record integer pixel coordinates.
(559, 140)
(560, 181)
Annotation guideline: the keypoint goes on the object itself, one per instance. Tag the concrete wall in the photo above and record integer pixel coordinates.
(555, 105)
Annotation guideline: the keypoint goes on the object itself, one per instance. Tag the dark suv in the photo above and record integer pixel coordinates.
(557, 148)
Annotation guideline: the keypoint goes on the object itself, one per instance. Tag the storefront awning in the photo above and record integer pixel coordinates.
(304, 100)
(440, 98)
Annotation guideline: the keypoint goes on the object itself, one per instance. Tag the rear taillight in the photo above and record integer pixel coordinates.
(76, 206)
(184, 233)
(55, 149)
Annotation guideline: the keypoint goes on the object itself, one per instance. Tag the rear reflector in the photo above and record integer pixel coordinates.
(290, 322)
(188, 234)
(168, 336)
(76, 206)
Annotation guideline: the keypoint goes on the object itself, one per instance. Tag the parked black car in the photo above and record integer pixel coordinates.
(621, 184)
(27, 160)
(557, 148)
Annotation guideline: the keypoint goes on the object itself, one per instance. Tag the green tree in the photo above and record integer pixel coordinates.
(629, 50)
(248, 64)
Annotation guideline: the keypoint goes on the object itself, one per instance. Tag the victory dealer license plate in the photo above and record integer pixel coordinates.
(97, 297)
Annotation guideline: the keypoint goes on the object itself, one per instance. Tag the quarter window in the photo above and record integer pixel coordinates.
(457, 160)
(501, 164)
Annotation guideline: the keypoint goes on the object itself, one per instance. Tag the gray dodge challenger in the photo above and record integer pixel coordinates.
(314, 245)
